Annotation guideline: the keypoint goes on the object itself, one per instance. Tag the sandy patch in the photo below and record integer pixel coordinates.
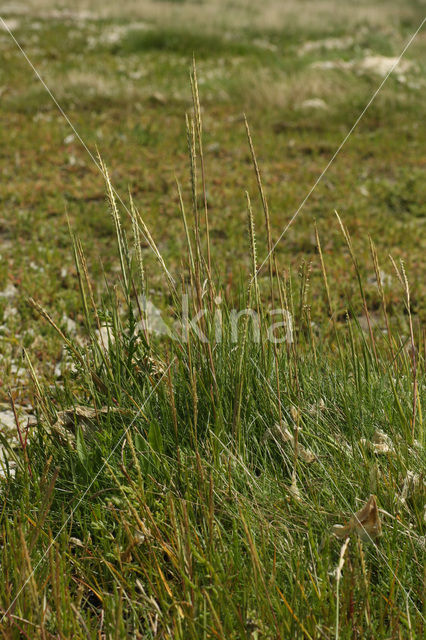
(327, 44)
(10, 24)
(379, 65)
(314, 103)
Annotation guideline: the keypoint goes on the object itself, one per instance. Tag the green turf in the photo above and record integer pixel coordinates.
(204, 522)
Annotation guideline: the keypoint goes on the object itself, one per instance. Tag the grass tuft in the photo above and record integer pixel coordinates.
(185, 486)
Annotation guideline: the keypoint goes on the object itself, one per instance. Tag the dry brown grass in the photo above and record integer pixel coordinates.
(283, 91)
(269, 14)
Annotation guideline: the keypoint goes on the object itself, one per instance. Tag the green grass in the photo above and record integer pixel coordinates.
(182, 42)
(165, 502)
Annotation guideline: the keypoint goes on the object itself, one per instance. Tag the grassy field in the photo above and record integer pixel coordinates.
(162, 486)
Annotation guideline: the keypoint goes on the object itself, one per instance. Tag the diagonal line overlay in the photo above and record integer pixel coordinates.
(6, 613)
(340, 147)
(98, 165)
(290, 222)
(407, 594)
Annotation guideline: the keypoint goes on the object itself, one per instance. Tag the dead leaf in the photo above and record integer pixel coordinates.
(380, 443)
(365, 523)
(84, 417)
(295, 413)
(414, 486)
(294, 490)
(374, 477)
(76, 542)
(317, 407)
(305, 454)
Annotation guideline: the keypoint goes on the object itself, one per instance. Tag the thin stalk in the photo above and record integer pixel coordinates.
(199, 129)
(361, 288)
(264, 205)
(117, 222)
(402, 277)
(327, 290)
(381, 292)
(185, 224)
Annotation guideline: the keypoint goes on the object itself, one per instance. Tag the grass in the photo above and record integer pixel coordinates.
(173, 488)
(192, 515)
(130, 105)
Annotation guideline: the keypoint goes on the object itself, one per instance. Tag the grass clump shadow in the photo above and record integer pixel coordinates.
(184, 42)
